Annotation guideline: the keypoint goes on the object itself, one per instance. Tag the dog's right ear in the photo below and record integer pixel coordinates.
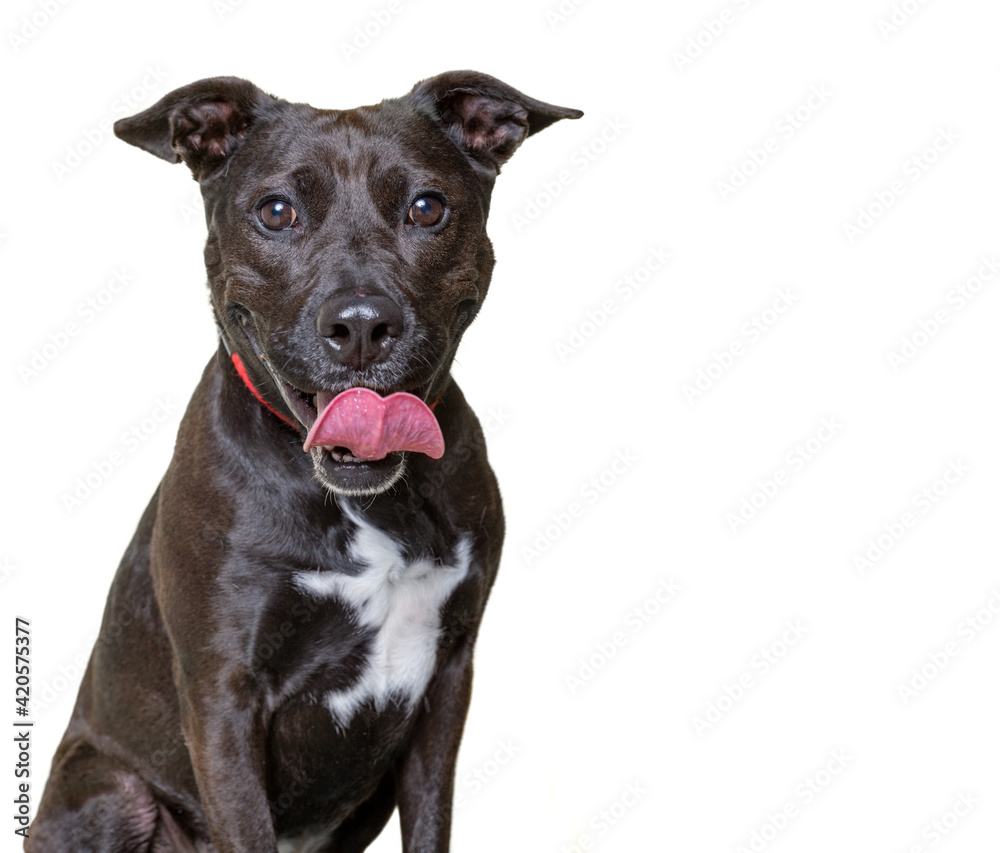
(202, 123)
(484, 116)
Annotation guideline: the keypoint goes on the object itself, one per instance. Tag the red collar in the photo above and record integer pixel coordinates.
(242, 371)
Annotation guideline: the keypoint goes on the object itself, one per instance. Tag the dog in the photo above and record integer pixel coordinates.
(286, 652)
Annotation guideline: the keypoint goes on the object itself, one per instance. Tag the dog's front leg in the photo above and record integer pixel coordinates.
(226, 741)
(425, 774)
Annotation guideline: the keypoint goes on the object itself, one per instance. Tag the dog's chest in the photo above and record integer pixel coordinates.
(397, 603)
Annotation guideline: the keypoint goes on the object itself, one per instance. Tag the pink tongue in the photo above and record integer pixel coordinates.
(371, 427)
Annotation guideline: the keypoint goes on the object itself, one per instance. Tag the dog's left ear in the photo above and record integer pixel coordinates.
(202, 123)
(484, 116)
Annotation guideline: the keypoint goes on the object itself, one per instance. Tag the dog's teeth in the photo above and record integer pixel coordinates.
(339, 456)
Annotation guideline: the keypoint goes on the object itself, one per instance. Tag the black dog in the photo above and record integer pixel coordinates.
(286, 653)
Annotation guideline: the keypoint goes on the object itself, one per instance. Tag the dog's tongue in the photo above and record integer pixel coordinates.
(371, 427)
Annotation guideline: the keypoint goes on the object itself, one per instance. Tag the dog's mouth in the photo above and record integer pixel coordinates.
(356, 437)
(301, 403)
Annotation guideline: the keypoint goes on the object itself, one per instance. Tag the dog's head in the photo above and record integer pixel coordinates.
(346, 248)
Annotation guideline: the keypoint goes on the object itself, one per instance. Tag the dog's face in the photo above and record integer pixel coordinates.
(346, 248)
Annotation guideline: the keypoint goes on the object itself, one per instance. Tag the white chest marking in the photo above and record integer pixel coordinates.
(402, 602)
(315, 843)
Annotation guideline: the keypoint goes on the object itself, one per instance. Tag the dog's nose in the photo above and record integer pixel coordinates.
(361, 329)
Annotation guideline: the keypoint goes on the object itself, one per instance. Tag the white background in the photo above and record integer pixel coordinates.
(573, 393)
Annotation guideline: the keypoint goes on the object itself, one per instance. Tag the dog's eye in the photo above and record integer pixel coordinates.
(426, 211)
(277, 215)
